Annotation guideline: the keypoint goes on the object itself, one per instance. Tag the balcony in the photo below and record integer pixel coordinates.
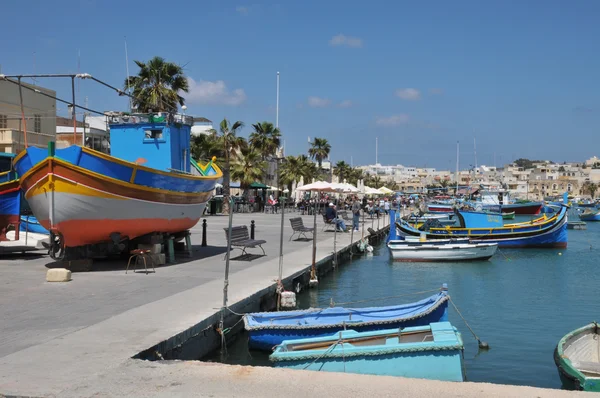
(13, 141)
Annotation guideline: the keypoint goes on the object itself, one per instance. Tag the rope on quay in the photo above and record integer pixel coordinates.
(482, 344)
(333, 303)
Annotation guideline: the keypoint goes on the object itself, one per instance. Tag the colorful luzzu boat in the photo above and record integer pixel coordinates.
(84, 197)
(542, 233)
(10, 202)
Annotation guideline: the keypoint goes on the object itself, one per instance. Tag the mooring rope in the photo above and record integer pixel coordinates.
(482, 344)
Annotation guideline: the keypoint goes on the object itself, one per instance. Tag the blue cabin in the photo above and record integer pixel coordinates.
(160, 141)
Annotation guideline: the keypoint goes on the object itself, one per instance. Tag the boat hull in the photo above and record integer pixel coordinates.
(86, 207)
(10, 204)
(267, 335)
(434, 360)
(449, 252)
(567, 359)
(436, 208)
(595, 216)
(523, 208)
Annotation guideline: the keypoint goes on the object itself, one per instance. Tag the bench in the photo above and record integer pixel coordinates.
(328, 223)
(298, 227)
(241, 239)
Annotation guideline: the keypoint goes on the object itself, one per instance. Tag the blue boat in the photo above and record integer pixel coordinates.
(268, 329)
(10, 202)
(590, 215)
(431, 352)
(545, 232)
(31, 224)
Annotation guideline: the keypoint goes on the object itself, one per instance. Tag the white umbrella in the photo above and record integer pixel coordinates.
(273, 188)
(385, 190)
(372, 191)
(317, 186)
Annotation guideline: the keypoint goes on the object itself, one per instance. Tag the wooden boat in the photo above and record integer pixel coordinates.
(10, 202)
(440, 208)
(590, 215)
(543, 233)
(581, 225)
(90, 200)
(577, 357)
(508, 216)
(428, 216)
(268, 329)
(436, 252)
(431, 352)
(528, 208)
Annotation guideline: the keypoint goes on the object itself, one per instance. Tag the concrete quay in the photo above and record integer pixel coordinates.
(77, 339)
(53, 335)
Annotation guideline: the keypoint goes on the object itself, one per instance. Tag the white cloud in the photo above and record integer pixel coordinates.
(213, 93)
(394, 120)
(345, 104)
(348, 41)
(242, 10)
(409, 94)
(318, 102)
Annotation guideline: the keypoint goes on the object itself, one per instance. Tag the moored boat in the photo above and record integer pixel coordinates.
(577, 358)
(508, 216)
(10, 202)
(542, 233)
(433, 352)
(440, 208)
(31, 224)
(146, 186)
(529, 208)
(437, 252)
(268, 329)
(590, 215)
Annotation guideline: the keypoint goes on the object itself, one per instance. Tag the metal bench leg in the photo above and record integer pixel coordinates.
(263, 250)
(129, 262)
(292, 236)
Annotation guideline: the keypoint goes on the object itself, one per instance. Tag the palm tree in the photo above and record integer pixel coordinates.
(319, 150)
(355, 175)
(393, 185)
(157, 85)
(342, 170)
(231, 145)
(247, 167)
(265, 138)
(295, 167)
(205, 146)
(590, 188)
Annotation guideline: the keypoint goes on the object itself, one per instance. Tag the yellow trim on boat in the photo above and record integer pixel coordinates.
(81, 170)
(42, 186)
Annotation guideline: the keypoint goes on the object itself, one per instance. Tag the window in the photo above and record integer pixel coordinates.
(3, 122)
(37, 123)
(153, 134)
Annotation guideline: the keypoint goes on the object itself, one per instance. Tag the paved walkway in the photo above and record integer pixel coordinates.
(52, 334)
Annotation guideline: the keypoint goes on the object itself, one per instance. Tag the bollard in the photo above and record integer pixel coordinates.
(204, 233)
(252, 229)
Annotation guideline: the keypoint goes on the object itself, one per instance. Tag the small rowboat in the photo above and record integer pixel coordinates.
(577, 357)
(431, 352)
(508, 216)
(590, 215)
(435, 251)
(268, 329)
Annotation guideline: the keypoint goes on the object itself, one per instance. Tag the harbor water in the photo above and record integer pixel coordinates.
(521, 302)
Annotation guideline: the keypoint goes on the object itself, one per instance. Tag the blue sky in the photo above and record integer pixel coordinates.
(522, 77)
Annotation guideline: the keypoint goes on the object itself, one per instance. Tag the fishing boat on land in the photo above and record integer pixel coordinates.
(508, 216)
(545, 232)
(402, 250)
(31, 224)
(432, 352)
(577, 357)
(268, 329)
(10, 202)
(590, 215)
(91, 201)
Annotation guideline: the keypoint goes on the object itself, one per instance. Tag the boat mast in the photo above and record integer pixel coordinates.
(457, 153)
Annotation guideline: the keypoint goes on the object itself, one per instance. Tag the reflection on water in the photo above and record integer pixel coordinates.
(521, 302)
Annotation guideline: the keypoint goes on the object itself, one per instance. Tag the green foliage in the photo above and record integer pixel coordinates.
(265, 138)
(342, 170)
(157, 85)
(295, 167)
(526, 163)
(589, 187)
(319, 150)
(231, 145)
(247, 167)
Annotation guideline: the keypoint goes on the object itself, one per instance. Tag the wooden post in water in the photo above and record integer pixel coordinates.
(226, 281)
(313, 271)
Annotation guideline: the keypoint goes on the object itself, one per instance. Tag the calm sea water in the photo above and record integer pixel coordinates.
(521, 303)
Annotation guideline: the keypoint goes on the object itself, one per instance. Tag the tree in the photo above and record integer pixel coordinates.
(355, 175)
(157, 85)
(247, 167)
(266, 139)
(319, 150)
(295, 167)
(231, 145)
(590, 187)
(205, 146)
(342, 170)
(393, 185)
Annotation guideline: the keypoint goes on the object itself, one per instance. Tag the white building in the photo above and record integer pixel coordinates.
(201, 126)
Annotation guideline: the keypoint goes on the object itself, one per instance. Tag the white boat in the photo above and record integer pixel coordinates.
(403, 250)
(429, 216)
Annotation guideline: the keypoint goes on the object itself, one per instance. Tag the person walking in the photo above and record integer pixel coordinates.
(356, 213)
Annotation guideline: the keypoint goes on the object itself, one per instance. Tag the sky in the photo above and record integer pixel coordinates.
(518, 77)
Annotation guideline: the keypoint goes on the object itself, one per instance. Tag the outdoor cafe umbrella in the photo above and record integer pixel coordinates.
(385, 190)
